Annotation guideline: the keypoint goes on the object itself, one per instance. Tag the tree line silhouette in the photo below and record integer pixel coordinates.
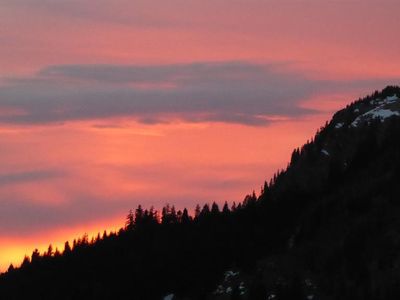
(331, 220)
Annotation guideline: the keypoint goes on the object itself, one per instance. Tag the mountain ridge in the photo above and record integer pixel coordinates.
(316, 230)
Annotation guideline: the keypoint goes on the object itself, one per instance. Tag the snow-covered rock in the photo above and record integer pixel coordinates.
(323, 151)
(169, 297)
(230, 283)
(339, 125)
(220, 290)
(230, 274)
(383, 111)
(242, 288)
(391, 99)
(376, 113)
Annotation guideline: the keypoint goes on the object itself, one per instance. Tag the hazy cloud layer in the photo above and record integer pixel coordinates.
(233, 92)
(22, 216)
(30, 176)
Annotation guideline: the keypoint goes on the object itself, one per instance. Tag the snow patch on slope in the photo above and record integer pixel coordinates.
(391, 99)
(232, 282)
(381, 112)
(323, 151)
(376, 113)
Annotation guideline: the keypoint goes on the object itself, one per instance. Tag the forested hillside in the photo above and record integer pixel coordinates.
(326, 227)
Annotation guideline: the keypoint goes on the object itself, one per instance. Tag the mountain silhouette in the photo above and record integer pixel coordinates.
(326, 227)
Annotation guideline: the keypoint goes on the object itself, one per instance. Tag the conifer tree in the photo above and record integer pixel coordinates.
(67, 248)
(35, 256)
(214, 209)
(130, 221)
(185, 217)
(49, 251)
(10, 268)
(197, 211)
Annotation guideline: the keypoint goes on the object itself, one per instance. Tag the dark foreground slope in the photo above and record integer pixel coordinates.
(328, 227)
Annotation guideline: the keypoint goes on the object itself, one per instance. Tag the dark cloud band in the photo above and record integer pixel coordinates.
(231, 92)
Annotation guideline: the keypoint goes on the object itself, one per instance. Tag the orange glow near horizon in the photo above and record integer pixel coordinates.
(123, 164)
(14, 249)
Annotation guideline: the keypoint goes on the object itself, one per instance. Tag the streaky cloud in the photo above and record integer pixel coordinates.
(30, 176)
(230, 92)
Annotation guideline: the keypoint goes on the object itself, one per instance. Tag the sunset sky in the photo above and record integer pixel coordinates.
(108, 104)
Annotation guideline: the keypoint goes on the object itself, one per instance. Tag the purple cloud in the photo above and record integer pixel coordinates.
(232, 92)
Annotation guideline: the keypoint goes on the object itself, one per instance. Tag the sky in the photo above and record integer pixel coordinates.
(109, 105)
